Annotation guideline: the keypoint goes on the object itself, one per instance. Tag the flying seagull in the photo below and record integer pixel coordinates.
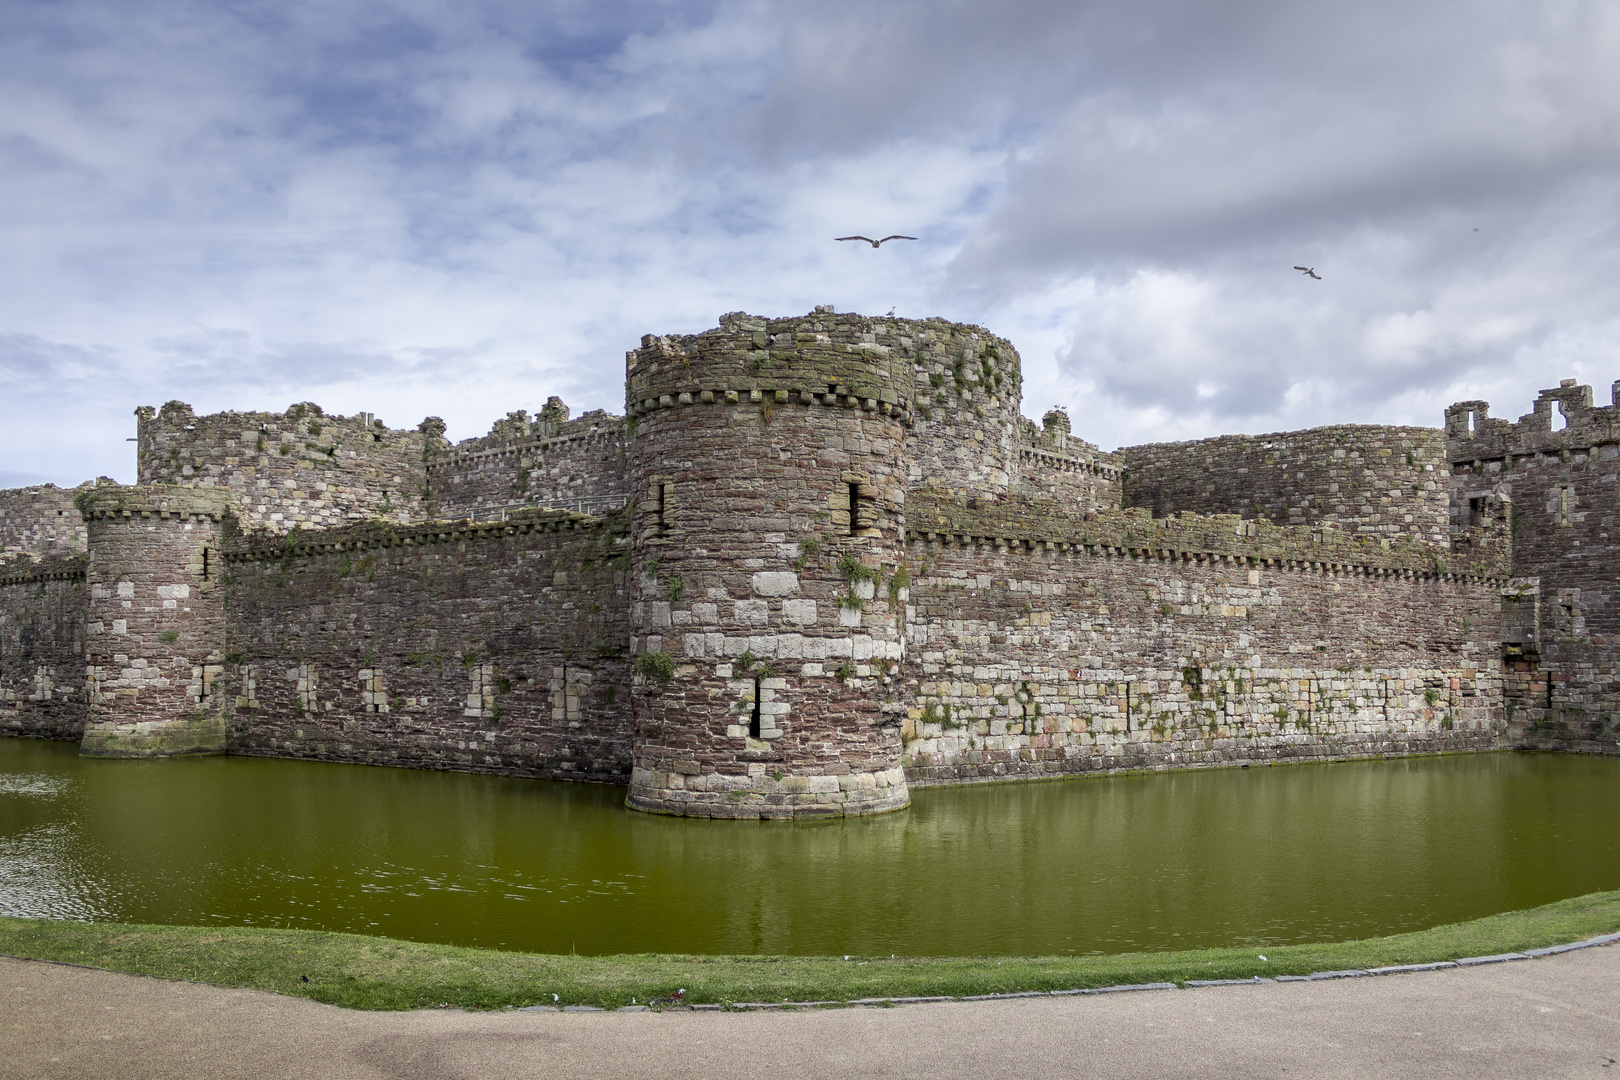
(873, 242)
(1309, 271)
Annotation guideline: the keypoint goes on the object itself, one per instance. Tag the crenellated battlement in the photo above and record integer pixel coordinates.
(822, 359)
(1563, 419)
(549, 461)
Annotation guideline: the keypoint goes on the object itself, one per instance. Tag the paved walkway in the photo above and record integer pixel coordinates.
(1553, 1017)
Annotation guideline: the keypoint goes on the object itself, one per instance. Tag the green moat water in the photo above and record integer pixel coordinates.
(1258, 856)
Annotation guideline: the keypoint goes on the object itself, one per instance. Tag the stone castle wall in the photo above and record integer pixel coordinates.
(1045, 642)
(495, 647)
(1362, 478)
(771, 499)
(550, 461)
(155, 620)
(1562, 485)
(42, 669)
(301, 469)
(824, 557)
(1053, 464)
(40, 520)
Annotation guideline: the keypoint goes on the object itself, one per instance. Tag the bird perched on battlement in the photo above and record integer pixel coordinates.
(1309, 271)
(876, 243)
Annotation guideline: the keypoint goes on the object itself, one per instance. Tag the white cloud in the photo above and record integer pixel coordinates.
(415, 207)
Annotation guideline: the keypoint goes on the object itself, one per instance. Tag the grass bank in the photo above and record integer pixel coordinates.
(379, 973)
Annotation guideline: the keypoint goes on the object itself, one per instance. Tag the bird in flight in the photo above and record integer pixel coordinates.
(873, 242)
(1309, 271)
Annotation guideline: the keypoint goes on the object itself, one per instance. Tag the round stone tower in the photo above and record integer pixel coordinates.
(768, 483)
(155, 627)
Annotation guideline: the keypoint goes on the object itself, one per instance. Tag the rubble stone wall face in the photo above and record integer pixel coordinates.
(298, 469)
(566, 464)
(40, 520)
(479, 647)
(1362, 478)
(155, 621)
(1042, 647)
(1563, 486)
(768, 526)
(42, 675)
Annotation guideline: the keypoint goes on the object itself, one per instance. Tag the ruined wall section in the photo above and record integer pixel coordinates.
(40, 520)
(1556, 470)
(1360, 477)
(42, 668)
(1045, 643)
(496, 647)
(548, 461)
(298, 469)
(1053, 464)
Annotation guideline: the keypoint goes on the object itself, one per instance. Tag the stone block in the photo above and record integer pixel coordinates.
(799, 612)
(775, 583)
(751, 613)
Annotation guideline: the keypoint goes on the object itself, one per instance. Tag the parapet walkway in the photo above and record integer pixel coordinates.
(1556, 1016)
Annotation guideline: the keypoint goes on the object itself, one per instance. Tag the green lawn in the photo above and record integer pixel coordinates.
(378, 973)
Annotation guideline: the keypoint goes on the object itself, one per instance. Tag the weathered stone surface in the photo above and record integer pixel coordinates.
(155, 621)
(298, 469)
(1555, 489)
(846, 565)
(1361, 478)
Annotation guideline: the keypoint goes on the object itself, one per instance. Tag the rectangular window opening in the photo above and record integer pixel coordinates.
(753, 720)
(663, 505)
(1127, 708)
(205, 564)
(854, 509)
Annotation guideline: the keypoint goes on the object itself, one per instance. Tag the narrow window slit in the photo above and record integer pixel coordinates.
(753, 720)
(1127, 708)
(663, 505)
(854, 509)
(205, 564)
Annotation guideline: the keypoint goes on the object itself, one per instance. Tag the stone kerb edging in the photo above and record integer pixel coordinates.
(1166, 554)
(260, 547)
(844, 399)
(1187, 984)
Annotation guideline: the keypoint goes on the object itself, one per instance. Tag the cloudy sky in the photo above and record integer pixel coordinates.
(419, 206)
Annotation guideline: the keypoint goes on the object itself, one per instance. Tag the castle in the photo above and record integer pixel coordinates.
(819, 561)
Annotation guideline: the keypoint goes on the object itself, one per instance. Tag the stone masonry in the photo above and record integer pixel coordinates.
(819, 560)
